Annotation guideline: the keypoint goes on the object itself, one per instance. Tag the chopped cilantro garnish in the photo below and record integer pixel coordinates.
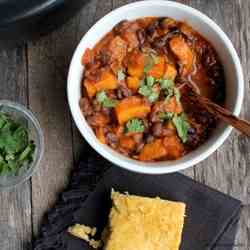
(15, 147)
(120, 75)
(177, 94)
(105, 100)
(135, 125)
(147, 89)
(101, 96)
(150, 81)
(169, 93)
(166, 115)
(167, 84)
(182, 126)
(170, 90)
(153, 96)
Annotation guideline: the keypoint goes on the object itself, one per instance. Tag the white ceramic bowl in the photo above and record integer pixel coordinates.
(205, 26)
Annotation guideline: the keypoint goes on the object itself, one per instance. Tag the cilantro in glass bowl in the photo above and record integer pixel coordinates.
(21, 144)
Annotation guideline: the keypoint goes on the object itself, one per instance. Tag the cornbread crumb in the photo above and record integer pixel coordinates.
(95, 243)
(83, 232)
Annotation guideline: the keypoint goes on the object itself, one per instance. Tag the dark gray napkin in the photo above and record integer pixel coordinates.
(211, 217)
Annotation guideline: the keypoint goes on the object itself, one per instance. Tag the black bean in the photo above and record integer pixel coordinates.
(85, 106)
(141, 36)
(104, 59)
(149, 138)
(112, 139)
(126, 91)
(106, 111)
(157, 129)
(152, 28)
(118, 27)
(138, 137)
(159, 42)
(191, 131)
(96, 106)
(139, 147)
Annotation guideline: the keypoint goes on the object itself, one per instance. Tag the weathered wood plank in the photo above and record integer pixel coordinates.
(48, 61)
(15, 205)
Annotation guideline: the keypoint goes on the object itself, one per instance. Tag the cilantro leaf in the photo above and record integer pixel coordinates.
(3, 120)
(109, 103)
(167, 84)
(14, 139)
(135, 125)
(182, 126)
(153, 96)
(101, 96)
(166, 115)
(169, 93)
(25, 155)
(150, 81)
(170, 90)
(145, 90)
(3, 168)
(177, 94)
(120, 75)
(105, 100)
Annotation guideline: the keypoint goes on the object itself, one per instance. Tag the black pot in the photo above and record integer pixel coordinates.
(22, 20)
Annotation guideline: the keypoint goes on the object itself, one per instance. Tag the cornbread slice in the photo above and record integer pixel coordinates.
(140, 223)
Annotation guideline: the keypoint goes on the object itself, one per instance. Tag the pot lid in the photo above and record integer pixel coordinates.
(15, 10)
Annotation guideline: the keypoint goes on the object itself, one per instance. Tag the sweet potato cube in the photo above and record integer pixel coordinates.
(133, 82)
(153, 151)
(131, 107)
(173, 146)
(108, 81)
(90, 88)
(158, 69)
(87, 57)
(100, 135)
(170, 72)
(127, 142)
(136, 64)
(183, 52)
(172, 105)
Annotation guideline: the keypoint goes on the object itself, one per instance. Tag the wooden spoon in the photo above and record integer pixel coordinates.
(222, 113)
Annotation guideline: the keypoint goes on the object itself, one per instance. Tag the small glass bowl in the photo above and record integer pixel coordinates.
(25, 117)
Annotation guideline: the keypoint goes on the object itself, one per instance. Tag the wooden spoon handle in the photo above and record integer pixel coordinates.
(222, 113)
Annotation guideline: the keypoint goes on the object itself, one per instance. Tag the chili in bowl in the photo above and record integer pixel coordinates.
(133, 94)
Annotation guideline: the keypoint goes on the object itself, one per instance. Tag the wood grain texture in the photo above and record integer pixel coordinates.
(48, 61)
(15, 205)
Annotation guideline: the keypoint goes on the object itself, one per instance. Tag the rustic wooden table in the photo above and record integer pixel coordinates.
(35, 75)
